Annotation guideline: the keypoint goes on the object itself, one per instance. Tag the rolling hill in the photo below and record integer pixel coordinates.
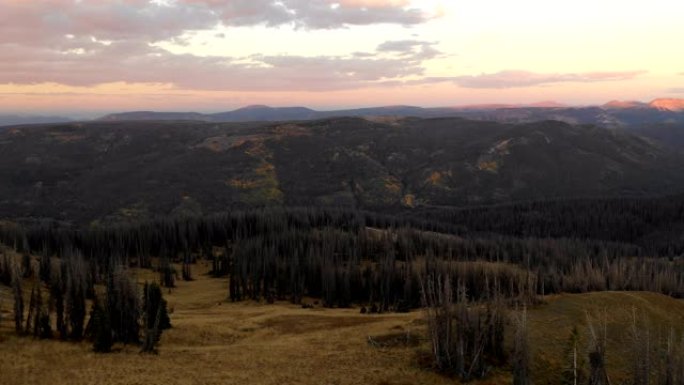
(13, 120)
(235, 343)
(614, 114)
(83, 172)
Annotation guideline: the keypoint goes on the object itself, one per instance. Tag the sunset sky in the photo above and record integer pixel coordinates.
(93, 56)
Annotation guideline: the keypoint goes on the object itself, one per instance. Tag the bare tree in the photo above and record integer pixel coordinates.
(437, 299)
(597, 352)
(521, 350)
(641, 351)
(466, 340)
(574, 370)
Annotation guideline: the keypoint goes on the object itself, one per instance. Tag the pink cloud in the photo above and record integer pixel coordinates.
(135, 62)
(90, 42)
(514, 79)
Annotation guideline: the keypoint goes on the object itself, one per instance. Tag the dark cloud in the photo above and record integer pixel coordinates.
(515, 79)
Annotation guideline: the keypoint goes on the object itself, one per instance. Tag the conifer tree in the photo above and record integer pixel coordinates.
(18, 302)
(156, 318)
(57, 301)
(45, 267)
(123, 306)
(26, 266)
(100, 328)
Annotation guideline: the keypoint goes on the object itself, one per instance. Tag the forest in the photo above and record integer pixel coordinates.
(470, 268)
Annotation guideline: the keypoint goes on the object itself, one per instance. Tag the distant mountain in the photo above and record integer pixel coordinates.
(676, 105)
(152, 115)
(623, 104)
(614, 114)
(100, 171)
(264, 113)
(259, 113)
(11, 120)
(661, 119)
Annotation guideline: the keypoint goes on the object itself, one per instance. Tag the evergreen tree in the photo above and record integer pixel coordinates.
(156, 317)
(153, 301)
(123, 306)
(100, 328)
(18, 302)
(45, 267)
(26, 266)
(57, 301)
(75, 295)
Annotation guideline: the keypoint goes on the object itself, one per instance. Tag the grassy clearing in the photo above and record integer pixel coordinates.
(551, 325)
(214, 341)
(217, 342)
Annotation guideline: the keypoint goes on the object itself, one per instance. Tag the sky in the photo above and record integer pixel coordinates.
(96, 56)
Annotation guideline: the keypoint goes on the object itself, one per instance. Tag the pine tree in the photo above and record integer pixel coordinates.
(26, 267)
(6, 270)
(153, 300)
(156, 317)
(18, 302)
(57, 301)
(45, 267)
(75, 295)
(123, 306)
(100, 328)
(167, 274)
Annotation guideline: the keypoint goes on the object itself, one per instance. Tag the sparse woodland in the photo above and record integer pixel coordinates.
(474, 270)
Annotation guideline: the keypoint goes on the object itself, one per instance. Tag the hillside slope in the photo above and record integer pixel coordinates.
(551, 325)
(614, 114)
(87, 171)
(235, 343)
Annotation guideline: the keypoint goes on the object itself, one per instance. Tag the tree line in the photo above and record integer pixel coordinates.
(346, 257)
(61, 290)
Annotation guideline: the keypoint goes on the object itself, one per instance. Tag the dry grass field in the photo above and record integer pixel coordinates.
(217, 342)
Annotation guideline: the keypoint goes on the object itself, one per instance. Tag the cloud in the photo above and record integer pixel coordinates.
(400, 45)
(90, 42)
(676, 90)
(516, 79)
(134, 62)
(314, 14)
(410, 48)
(41, 21)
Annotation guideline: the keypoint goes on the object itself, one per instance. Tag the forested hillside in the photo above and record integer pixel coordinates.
(476, 222)
(86, 172)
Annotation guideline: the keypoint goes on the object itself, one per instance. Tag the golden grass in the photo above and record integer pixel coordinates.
(214, 341)
(217, 342)
(551, 324)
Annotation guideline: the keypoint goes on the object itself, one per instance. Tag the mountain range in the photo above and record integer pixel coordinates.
(614, 114)
(109, 170)
(11, 120)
